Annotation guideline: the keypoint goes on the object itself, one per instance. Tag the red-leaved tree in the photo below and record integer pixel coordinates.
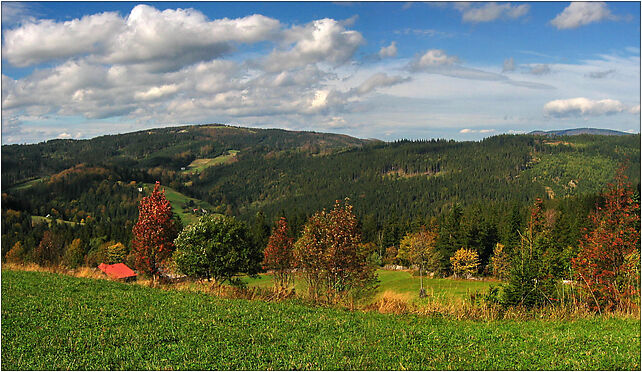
(154, 233)
(278, 255)
(609, 256)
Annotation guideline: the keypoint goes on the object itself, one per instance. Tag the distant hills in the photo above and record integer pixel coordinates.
(578, 131)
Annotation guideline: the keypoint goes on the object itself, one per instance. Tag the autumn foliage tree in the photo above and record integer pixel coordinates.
(608, 262)
(465, 262)
(49, 250)
(334, 263)
(279, 256)
(154, 233)
(420, 249)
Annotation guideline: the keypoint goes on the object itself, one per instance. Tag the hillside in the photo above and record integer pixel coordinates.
(579, 131)
(259, 175)
(56, 322)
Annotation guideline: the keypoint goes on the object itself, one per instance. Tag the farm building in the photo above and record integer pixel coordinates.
(118, 271)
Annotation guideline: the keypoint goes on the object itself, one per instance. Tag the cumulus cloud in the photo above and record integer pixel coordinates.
(582, 107)
(166, 40)
(635, 109)
(389, 51)
(324, 40)
(433, 58)
(509, 65)
(46, 40)
(488, 12)
(582, 13)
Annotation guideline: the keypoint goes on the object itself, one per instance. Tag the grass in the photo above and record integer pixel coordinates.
(198, 165)
(26, 185)
(178, 199)
(47, 220)
(53, 321)
(403, 283)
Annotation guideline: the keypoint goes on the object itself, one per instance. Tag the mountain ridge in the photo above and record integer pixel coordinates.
(579, 131)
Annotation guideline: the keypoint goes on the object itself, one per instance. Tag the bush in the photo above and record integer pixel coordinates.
(216, 247)
(74, 254)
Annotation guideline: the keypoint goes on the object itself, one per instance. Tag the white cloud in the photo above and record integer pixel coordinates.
(434, 58)
(377, 81)
(157, 92)
(165, 40)
(635, 109)
(582, 13)
(487, 12)
(582, 107)
(45, 40)
(324, 40)
(389, 51)
(481, 131)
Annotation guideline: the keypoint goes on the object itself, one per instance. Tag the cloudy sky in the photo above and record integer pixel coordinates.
(371, 70)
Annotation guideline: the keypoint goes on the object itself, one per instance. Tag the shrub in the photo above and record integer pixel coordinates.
(74, 254)
(16, 254)
(216, 247)
(116, 253)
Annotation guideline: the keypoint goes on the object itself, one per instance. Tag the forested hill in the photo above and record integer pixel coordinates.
(578, 131)
(168, 148)
(260, 175)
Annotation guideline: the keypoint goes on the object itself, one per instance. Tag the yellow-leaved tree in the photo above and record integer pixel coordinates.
(465, 263)
(420, 249)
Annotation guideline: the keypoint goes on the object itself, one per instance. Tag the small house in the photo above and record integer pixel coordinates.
(118, 271)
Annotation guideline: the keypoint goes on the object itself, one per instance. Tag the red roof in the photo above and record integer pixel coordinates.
(117, 271)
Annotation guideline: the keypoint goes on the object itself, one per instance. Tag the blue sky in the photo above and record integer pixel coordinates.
(372, 70)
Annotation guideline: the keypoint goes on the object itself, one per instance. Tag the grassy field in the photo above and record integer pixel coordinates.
(48, 220)
(178, 199)
(402, 282)
(199, 165)
(53, 321)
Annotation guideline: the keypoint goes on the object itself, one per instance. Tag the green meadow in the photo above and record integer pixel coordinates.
(52, 322)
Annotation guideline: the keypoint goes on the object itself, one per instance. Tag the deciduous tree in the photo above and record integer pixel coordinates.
(154, 233)
(217, 247)
(329, 252)
(420, 249)
(279, 256)
(609, 255)
(465, 263)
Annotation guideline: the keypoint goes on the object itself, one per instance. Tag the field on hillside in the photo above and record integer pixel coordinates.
(199, 165)
(178, 199)
(52, 321)
(402, 282)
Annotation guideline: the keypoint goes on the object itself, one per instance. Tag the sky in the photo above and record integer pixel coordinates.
(386, 70)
